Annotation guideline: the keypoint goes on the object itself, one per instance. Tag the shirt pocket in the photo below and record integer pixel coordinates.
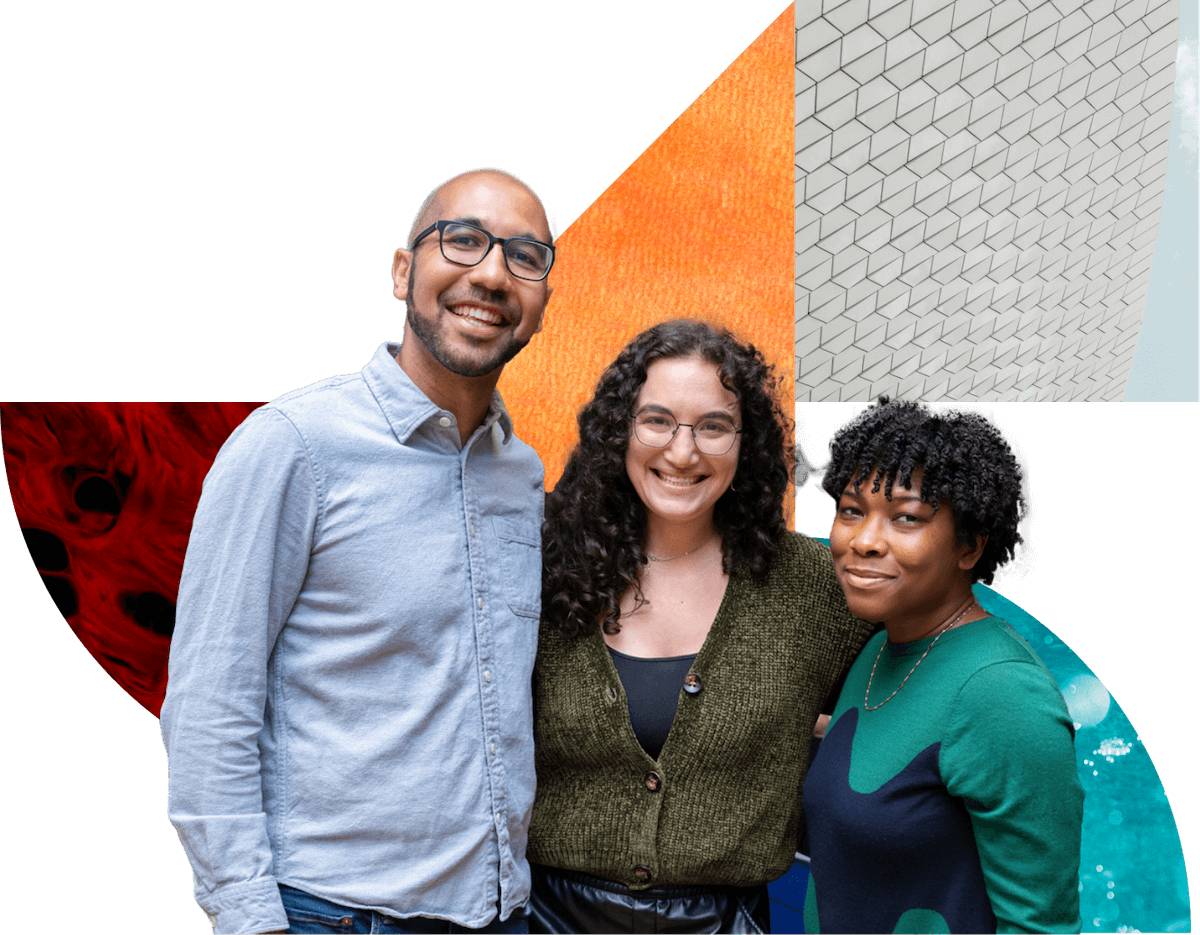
(521, 563)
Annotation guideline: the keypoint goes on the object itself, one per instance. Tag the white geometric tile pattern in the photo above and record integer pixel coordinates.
(978, 187)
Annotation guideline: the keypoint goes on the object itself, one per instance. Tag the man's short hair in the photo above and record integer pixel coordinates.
(420, 223)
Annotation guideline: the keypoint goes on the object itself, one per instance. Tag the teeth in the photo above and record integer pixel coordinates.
(672, 481)
(482, 315)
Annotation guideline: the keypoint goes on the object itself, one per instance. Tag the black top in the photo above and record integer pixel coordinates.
(652, 690)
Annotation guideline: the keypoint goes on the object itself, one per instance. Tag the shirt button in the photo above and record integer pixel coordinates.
(653, 781)
(493, 749)
(480, 603)
(445, 422)
(642, 872)
(692, 683)
(487, 675)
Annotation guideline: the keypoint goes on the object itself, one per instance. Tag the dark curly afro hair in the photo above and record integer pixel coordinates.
(593, 535)
(964, 463)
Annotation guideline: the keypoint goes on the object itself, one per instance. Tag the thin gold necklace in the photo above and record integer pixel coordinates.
(867, 697)
(655, 558)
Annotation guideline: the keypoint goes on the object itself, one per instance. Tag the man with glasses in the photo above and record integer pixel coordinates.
(348, 718)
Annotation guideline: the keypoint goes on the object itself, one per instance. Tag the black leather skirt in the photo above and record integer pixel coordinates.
(569, 901)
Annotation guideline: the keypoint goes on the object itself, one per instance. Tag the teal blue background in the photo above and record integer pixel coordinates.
(1130, 844)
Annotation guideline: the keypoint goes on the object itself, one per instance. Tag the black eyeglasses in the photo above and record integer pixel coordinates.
(467, 245)
(657, 429)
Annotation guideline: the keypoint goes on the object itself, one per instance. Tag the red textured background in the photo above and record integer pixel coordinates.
(117, 484)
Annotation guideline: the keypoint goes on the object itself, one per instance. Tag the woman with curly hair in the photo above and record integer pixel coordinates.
(945, 796)
(688, 643)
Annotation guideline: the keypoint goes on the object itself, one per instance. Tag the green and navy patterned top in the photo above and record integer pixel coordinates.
(955, 806)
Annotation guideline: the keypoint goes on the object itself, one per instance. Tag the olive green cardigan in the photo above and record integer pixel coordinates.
(723, 803)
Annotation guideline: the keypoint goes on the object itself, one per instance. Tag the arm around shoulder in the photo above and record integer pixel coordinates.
(814, 567)
(246, 560)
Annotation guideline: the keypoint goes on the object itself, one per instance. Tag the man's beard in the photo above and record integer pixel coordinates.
(426, 331)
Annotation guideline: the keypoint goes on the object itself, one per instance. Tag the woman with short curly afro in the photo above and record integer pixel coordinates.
(964, 463)
(945, 795)
(688, 641)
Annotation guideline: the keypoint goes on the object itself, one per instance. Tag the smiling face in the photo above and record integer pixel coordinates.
(472, 320)
(899, 562)
(678, 483)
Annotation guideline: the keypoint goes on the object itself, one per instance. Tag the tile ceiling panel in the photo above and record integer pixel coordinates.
(978, 189)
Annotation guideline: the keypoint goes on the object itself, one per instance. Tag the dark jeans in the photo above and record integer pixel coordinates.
(307, 913)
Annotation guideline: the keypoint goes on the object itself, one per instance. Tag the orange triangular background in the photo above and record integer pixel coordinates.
(698, 227)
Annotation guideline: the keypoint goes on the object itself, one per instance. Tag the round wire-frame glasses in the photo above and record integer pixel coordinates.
(656, 429)
(467, 245)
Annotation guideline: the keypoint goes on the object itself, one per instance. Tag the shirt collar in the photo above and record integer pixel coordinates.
(406, 407)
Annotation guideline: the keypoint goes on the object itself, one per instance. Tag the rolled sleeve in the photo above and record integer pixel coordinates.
(246, 562)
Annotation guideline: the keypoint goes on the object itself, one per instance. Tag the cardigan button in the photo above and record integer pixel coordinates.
(642, 873)
(692, 683)
(653, 781)
(610, 694)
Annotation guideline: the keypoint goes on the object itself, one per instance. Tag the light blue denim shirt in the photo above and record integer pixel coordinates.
(349, 710)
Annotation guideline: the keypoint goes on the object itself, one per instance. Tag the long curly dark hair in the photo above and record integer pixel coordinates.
(964, 462)
(592, 538)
